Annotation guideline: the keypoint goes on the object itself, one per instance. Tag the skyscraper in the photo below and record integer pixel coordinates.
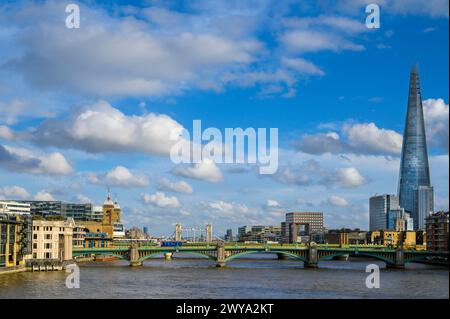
(379, 208)
(414, 189)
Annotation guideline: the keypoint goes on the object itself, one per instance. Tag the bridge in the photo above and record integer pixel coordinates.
(220, 253)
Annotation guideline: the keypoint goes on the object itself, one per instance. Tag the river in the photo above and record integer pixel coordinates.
(251, 277)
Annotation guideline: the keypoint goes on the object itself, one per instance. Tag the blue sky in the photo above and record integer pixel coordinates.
(84, 109)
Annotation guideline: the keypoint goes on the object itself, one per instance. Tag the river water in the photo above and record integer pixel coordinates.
(250, 277)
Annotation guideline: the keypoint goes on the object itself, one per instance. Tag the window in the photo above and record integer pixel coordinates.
(35, 246)
(48, 236)
(35, 236)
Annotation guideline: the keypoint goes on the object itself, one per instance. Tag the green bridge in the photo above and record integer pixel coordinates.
(311, 254)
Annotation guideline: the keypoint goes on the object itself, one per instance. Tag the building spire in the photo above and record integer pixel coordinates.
(414, 168)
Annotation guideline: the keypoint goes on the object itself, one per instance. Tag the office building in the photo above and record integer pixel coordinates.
(414, 188)
(300, 226)
(259, 234)
(15, 240)
(52, 240)
(437, 231)
(379, 207)
(14, 207)
(229, 235)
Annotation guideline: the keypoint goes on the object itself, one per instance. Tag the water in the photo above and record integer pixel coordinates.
(251, 277)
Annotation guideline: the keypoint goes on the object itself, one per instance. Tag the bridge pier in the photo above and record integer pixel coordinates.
(220, 259)
(313, 257)
(134, 256)
(399, 261)
(168, 256)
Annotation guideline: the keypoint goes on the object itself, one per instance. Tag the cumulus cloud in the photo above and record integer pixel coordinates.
(364, 138)
(44, 196)
(344, 177)
(13, 192)
(103, 128)
(227, 207)
(288, 175)
(272, 203)
(118, 176)
(207, 170)
(161, 200)
(123, 55)
(337, 201)
(436, 114)
(179, 187)
(26, 161)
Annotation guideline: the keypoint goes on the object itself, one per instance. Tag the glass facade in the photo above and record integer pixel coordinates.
(414, 169)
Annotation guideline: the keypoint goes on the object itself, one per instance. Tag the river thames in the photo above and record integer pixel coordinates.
(251, 277)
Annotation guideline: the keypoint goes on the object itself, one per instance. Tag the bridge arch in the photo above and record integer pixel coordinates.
(152, 254)
(106, 253)
(243, 253)
(374, 256)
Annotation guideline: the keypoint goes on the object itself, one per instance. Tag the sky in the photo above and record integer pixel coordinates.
(94, 107)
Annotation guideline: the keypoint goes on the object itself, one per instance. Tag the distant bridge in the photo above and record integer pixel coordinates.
(221, 253)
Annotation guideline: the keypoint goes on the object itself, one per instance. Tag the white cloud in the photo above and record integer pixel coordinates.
(436, 114)
(227, 207)
(314, 41)
(272, 203)
(103, 128)
(124, 55)
(207, 170)
(371, 139)
(302, 66)
(160, 199)
(118, 176)
(6, 133)
(344, 177)
(337, 201)
(13, 192)
(363, 138)
(44, 196)
(27, 161)
(179, 187)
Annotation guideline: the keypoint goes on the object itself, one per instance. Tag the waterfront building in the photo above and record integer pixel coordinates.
(79, 236)
(52, 240)
(437, 231)
(414, 189)
(259, 233)
(14, 207)
(385, 237)
(15, 239)
(345, 236)
(336, 237)
(300, 226)
(97, 240)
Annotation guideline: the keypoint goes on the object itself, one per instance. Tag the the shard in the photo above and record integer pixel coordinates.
(415, 191)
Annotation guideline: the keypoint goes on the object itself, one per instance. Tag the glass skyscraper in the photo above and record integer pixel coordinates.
(414, 189)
